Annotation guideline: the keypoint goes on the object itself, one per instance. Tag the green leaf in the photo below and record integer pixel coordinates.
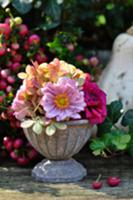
(97, 152)
(105, 127)
(125, 138)
(48, 26)
(60, 126)
(37, 128)
(4, 3)
(107, 139)
(27, 123)
(115, 111)
(53, 9)
(50, 130)
(110, 6)
(101, 20)
(42, 122)
(2, 93)
(130, 150)
(80, 81)
(127, 119)
(121, 141)
(22, 6)
(97, 144)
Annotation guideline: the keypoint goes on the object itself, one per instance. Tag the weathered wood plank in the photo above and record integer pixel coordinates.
(16, 182)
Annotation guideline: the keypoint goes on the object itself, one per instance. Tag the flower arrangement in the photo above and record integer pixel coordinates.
(54, 92)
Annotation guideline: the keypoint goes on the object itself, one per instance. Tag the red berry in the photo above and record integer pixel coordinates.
(26, 46)
(23, 30)
(1, 99)
(3, 154)
(3, 84)
(13, 52)
(7, 20)
(9, 64)
(15, 46)
(14, 155)
(34, 39)
(32, 154)
(6, 140)
(17, 58)
(9, 146)
(94, 61)
(41, 58)
(15, 66)
(79, 57)
(113, 181)
(9, 88)
(28, 145)
(18, 143)
(22, 161)
(5, 29)
(11, 79)
(70, 47)
(97, 185)
(4, 73)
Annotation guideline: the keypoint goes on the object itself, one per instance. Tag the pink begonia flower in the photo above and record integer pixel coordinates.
(63, 99)
(95, 99)
(19, 106)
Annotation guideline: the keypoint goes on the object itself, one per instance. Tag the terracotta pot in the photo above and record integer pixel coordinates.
(58, 148)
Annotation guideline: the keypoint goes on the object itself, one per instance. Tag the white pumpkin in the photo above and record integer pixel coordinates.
(117, 78)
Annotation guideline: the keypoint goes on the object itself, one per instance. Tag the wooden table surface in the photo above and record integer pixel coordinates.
(17, 184)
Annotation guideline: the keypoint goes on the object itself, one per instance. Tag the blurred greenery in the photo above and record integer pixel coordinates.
(98, 21)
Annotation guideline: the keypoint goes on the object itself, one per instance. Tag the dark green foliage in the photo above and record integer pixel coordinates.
(94, 18)
(113, 140)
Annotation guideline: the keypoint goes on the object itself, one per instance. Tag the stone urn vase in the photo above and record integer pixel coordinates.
(58, 149)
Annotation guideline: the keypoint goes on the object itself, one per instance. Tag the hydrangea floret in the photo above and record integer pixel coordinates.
(55, 92)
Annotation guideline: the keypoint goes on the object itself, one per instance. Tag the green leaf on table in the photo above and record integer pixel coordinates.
(60, 125)
(97, 146)
(115, 111)
(50, 130)
(27, 123)
(37, 127)
(22, 6)
(107, 139)
(121, 141)
(97, 152)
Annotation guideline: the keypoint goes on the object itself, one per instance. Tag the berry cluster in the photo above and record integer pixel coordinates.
(19, 150)
(18, 45)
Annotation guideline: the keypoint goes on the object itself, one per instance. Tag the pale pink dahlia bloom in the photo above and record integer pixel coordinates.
(19, 106)
(63, 99)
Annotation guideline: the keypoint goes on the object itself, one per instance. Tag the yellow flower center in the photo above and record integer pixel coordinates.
(61, 101)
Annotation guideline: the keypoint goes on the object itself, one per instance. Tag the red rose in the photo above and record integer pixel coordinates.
(95, 100)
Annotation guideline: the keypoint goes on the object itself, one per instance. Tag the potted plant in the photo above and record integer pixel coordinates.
(58, 105)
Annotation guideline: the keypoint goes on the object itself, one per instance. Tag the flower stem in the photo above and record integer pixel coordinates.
(99, 177)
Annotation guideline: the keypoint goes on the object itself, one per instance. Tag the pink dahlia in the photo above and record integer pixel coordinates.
(63, 99)
(19, 106)
(95, 100)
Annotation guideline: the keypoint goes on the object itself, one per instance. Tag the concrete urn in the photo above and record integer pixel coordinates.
(58, 149)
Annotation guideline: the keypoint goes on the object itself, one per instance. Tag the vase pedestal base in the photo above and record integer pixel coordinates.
(63, 171)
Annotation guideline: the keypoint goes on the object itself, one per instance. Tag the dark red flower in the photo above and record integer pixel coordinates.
(95, 99)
